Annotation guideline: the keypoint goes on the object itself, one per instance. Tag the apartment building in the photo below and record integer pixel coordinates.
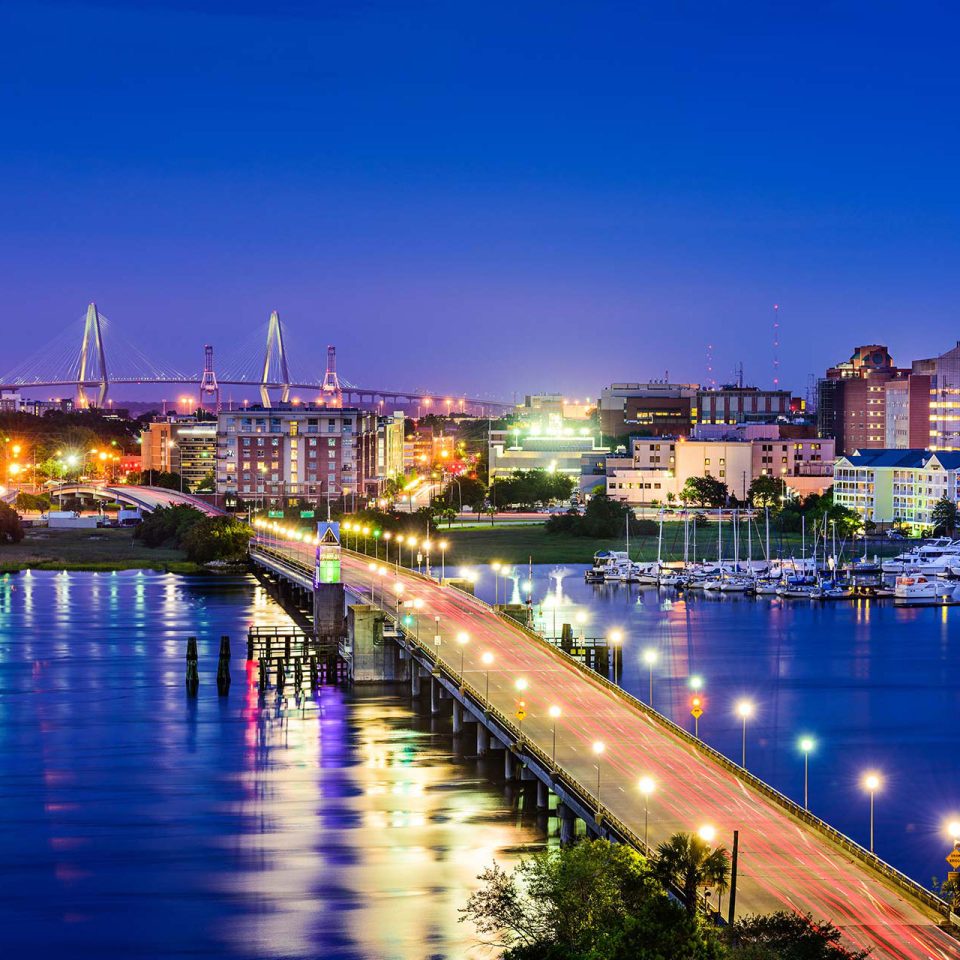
(285, 453)
(889, 486)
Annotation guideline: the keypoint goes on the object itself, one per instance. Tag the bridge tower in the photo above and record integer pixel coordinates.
(208, 383)
(92, 369)
(275, 355)
(331, 389)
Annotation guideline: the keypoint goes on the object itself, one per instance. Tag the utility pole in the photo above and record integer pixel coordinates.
(732, 907)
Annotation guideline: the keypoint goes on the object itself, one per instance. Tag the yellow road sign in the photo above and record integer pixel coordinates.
(953, 858)
(696, 712)
(521, 714)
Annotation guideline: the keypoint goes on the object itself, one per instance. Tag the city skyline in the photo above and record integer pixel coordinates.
(457, 188)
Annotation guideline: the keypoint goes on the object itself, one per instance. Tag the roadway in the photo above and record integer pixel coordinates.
(783, 863)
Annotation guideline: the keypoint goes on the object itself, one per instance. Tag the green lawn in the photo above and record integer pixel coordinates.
(517, 544)
(106, 549)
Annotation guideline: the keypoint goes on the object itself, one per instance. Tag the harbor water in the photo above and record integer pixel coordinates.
(139, 822)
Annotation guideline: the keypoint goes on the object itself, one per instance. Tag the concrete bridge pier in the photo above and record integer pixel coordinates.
(434, 695)
(483, 740)
(414, 679)
(329, 601)
(457, 717)
(568, 824)
(543, 796)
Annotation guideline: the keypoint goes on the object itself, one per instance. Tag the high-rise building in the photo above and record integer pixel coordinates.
(852, 399)
(286, 452)
(657, 408)
(943, 410)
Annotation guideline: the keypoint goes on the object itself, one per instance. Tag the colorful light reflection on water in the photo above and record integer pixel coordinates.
(138, 822)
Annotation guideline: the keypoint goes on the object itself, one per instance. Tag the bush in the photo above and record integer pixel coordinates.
(11, 529)
(216, 538)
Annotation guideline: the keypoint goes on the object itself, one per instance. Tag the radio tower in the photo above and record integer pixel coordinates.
(331, 389)
(711, 383)
(208, 383)
(776, 346)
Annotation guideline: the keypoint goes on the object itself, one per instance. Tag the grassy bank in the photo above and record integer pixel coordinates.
(105, 549)
(517, 544)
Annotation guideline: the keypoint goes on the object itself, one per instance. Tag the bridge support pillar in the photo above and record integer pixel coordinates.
(373, 658)
(328, 607)
(434, 696)
(543, 796)
(457, 717)
(509, 766)
(483, 740)
(414, 679)
(568, 824)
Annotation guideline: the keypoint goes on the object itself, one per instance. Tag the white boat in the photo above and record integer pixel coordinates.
(603, 562)
(798, 589)
(921, 587)
(833, 591)
(914, 560)
(672, 578)
(766, 588)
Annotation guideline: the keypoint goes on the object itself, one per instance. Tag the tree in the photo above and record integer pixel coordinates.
(593, 899)
(943, 516)
(468, 491)
(787, 936)
(765, 491)
(704, 491)
(216, 538)
(38, 502)
(11, 529)
(689, 863)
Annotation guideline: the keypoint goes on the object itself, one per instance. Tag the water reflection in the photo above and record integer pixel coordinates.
(139, 822)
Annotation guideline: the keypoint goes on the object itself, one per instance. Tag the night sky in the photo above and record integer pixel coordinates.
(489, 197)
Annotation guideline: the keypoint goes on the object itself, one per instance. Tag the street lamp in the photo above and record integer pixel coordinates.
(647, 786)
(462, 639)
(486, 660)
(400, 541)
(554, 712)
(871, 783)
(707, 833)
(615, 639)
(418, 606)
(443, 559)
(598, 748)
(387, 537)
(650, 658)
(806, 744)
(496, 566)
(581, 618)
(744, 711)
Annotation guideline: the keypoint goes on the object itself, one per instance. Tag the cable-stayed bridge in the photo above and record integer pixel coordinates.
(91, 360)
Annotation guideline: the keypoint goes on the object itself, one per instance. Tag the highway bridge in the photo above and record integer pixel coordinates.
(788, 859)
(146, 499)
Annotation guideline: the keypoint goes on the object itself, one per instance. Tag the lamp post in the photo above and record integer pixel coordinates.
(615, 639)
(462, 639)
(650, 658)
(647, 787)
(443, 560)
(806, 744)
(486, 660)
(400, 542)
(554, 712)
(436, 636)
(871, 783)
(398, 590)
(598, 748)
(387, 537)
(495, 566)
(744, 710)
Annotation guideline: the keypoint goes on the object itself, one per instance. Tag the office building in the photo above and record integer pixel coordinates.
(656, 408)
(738, 404)
(182, 445)
(559, 450)
(659, 467)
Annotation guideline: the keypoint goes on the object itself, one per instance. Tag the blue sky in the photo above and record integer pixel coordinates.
(485, 198)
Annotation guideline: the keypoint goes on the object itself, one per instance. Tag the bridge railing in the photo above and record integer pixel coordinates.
(891, 874)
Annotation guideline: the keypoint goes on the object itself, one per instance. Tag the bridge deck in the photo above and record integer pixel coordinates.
(784, 863)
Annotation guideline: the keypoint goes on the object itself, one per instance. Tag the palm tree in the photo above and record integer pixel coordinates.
(688, 863)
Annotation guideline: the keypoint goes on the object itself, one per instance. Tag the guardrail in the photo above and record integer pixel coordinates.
(868, 859)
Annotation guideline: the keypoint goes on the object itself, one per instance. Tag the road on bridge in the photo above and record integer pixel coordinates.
(783, 864)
